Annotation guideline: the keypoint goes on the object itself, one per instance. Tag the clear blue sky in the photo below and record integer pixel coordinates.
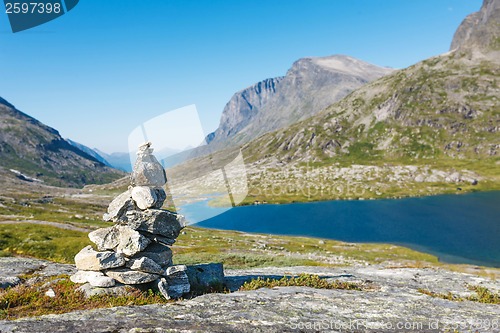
(105, 67)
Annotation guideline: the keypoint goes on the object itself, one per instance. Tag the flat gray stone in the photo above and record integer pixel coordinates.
(147, 265)
(128, 276)
(83, 276)
(147, 170)
(155, 221)
(158, 239)
(119, 206)
(144, 197)
(119, 238)
(159, 253)
(105, 238)
(203, 276)
(88, 290)
(89, 260)
(131, 241)
(16, 266)
(101, 281)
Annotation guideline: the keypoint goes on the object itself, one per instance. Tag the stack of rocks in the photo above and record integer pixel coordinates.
(135, 250)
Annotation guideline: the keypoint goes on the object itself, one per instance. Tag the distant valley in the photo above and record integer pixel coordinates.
(427, 129)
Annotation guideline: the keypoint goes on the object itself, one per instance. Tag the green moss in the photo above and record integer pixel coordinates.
(483, 295)
(303, 280)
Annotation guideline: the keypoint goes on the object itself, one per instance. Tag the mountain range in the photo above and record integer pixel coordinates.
(440, 116)
(310, 85)
(35, 151)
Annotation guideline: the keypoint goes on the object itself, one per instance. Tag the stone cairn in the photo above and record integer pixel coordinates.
(135, 250)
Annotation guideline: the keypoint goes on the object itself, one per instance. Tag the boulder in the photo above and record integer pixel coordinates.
(144, 197)
(119, 206)
(128, 276)
(122, 239)
(89, 260)
(147, 170)
(146, 265)
(160, 254)
(203, 276)
(155, 221)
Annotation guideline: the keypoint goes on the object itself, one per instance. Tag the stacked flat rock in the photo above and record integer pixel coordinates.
(135, 250)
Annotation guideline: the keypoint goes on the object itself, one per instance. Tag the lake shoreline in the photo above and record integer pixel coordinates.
(448, 225)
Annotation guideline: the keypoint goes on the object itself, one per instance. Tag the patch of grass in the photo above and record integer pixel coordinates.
(44, 242)
(449, 296)
(242, 260)
(32, 207)
(483, 295)
(27, 301)
(244, 250)
(303, 280)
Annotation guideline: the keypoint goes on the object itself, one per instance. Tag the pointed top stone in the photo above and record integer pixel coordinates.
(145, 148)
(147, 170)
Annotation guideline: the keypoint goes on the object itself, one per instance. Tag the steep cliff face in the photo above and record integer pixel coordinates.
(38, 151)
(480, 30)
(244, 106)
(310, 85)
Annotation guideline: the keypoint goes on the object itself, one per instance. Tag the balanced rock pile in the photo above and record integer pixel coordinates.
(135, 250)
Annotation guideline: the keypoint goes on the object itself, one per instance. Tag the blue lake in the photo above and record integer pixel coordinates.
(457, 228)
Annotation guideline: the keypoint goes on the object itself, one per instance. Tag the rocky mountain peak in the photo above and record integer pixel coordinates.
(340, 64)
(480, 30)
(310, 85)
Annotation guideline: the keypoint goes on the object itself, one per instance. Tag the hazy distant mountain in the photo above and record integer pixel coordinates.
(119, 161)
(308, 87)
(38, 151)
(89, 151)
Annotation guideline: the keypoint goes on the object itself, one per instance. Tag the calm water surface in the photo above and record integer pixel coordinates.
(457, 228)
